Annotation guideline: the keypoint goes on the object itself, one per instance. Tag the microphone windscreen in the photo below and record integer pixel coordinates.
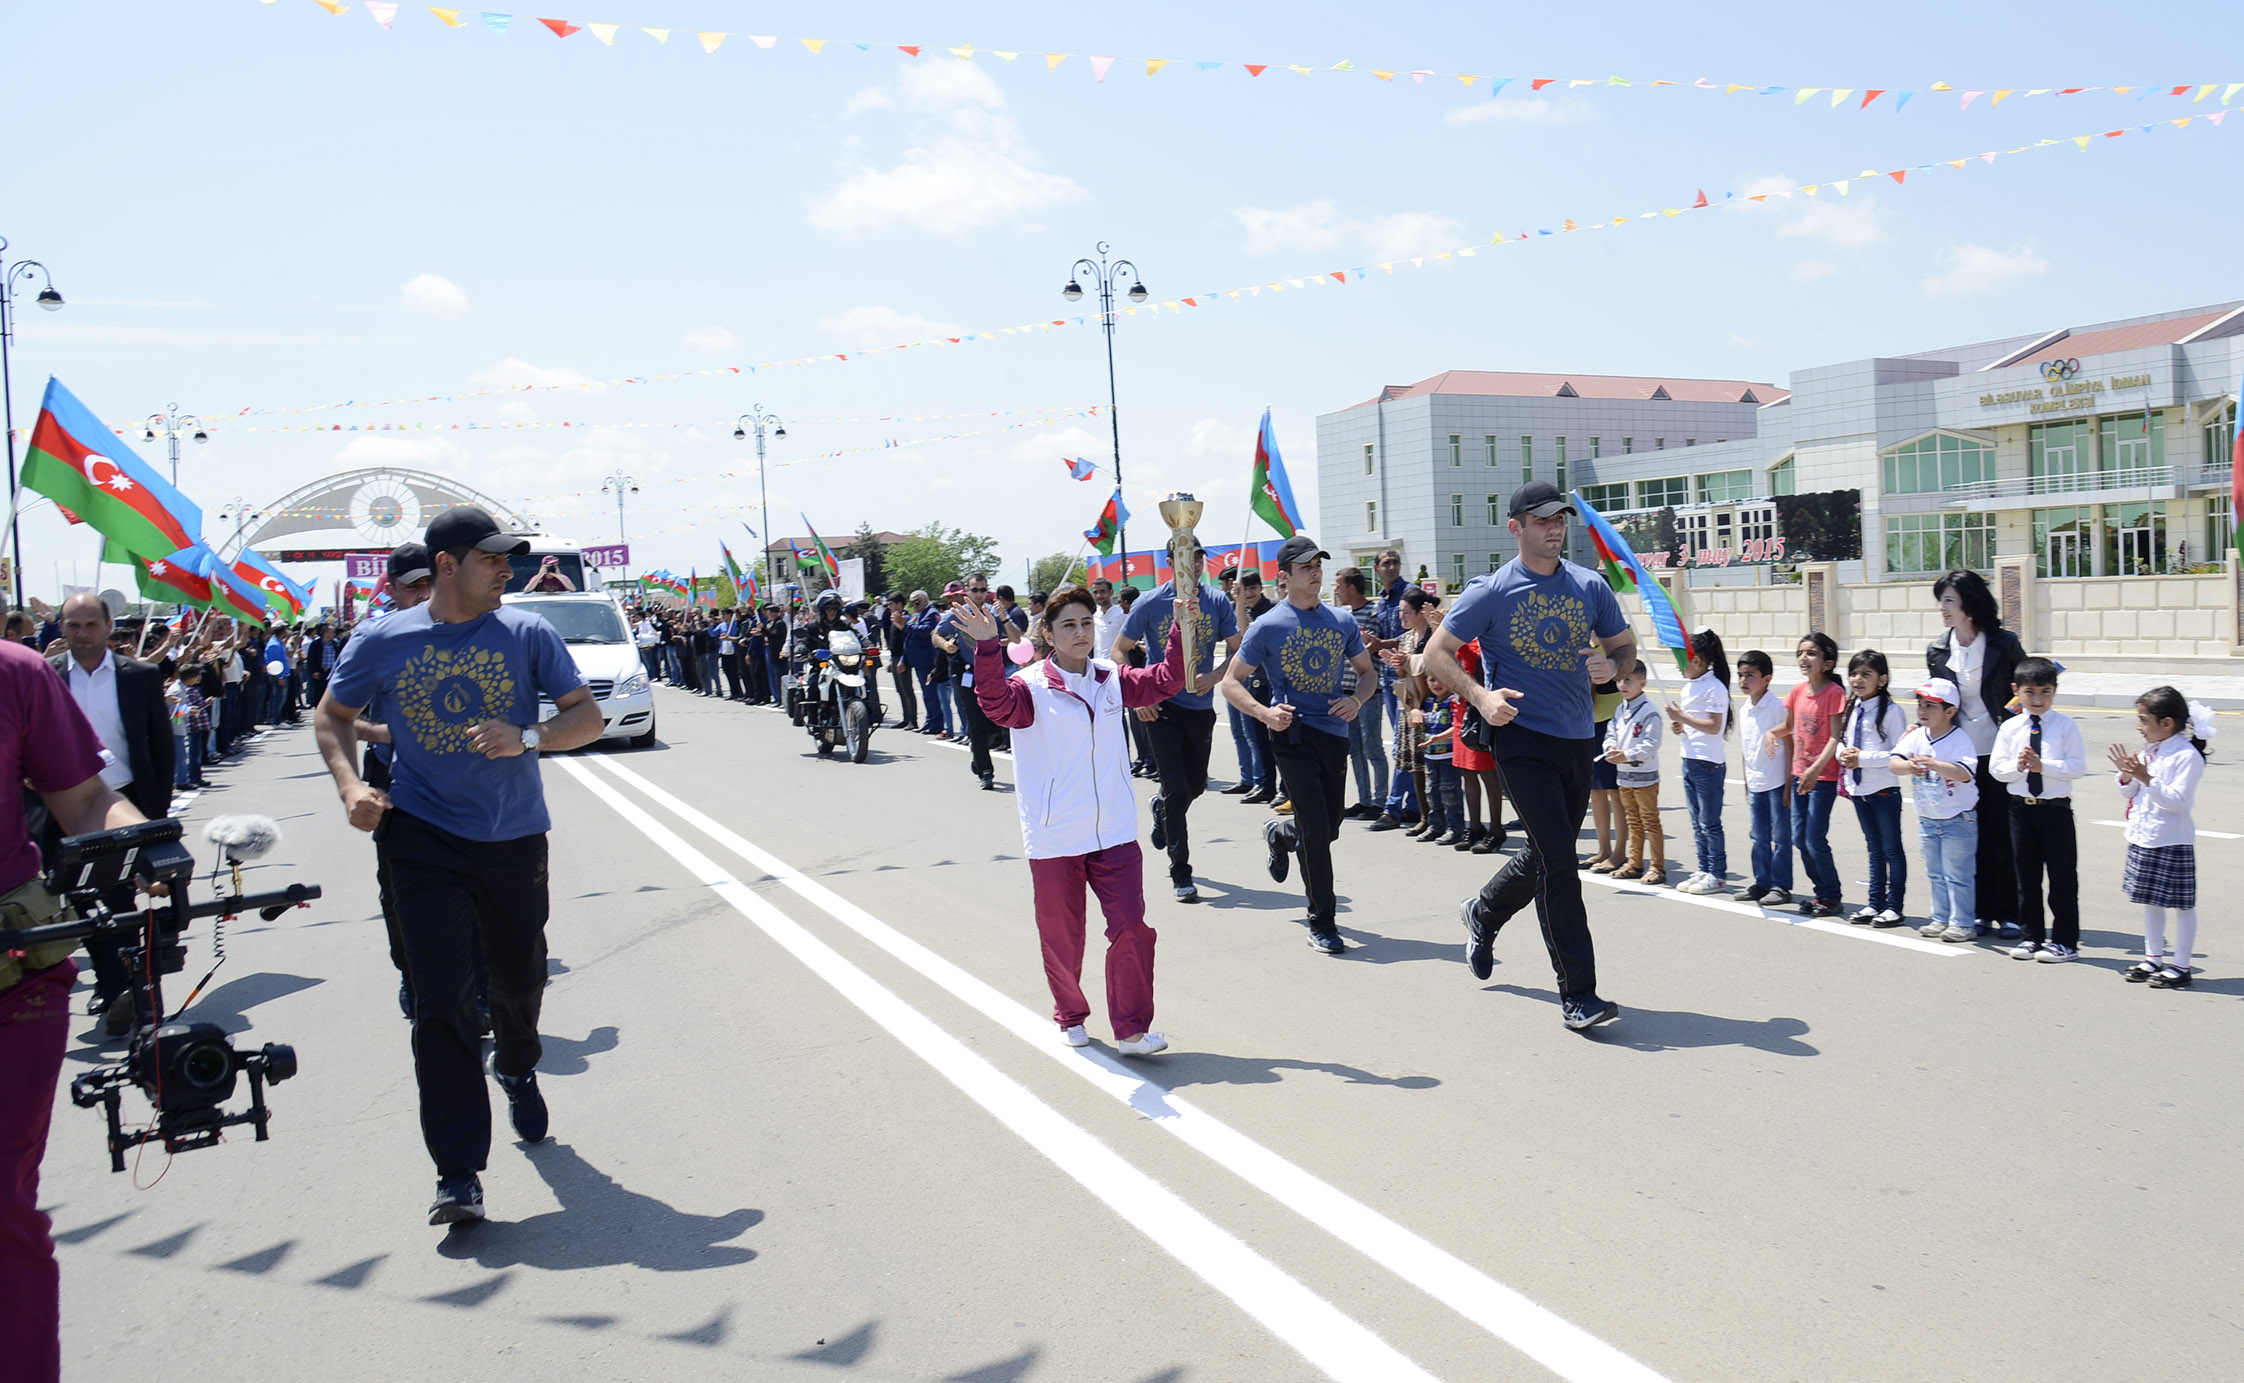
(243, 837)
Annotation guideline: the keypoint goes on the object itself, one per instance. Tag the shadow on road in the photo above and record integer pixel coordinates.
(602, 1224)
(1211, 1068)
(564, 1056)
(1667, 1030)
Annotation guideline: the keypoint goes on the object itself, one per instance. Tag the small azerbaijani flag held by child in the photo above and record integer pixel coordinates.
(1273, 493)
(1109, 526)
(1625, 573)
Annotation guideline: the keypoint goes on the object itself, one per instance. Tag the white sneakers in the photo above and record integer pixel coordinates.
(1702, 882)
(1075, 1036)
(1144, 1044)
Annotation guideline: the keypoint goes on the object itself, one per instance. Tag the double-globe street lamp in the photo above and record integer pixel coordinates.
(621, 484)
(1106, 276)
(171, 424)
(759, 420)
(50, 300)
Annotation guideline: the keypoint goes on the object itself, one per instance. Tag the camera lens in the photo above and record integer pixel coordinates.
(207, 1065)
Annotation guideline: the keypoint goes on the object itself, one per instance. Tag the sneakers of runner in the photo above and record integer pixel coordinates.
(458, 1200)
(525, 1106)
(1187, 892)
(1889, 918)
(1160, 823)
(2055, 953)
(1588, 1012)
(1328, 941)
(1960, 934)
(1280, 857)
(1074, 1036)
(1144, 1044)
(1864, 916)
(1480, 943)
(2024, 950)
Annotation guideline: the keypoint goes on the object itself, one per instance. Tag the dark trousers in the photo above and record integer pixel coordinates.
(907, 700)
(454, 897)
(979, 732)
(930, 693)
(1264, 749)
(1181, 738)
(1314, 767)
(773, 672)
(1997, 884)
(736, 685)
(1547, 780)
(2041, 837)
(752, 669)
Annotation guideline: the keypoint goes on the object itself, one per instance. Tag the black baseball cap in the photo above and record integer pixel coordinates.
(1540, 498)
(409, 565)
(1300, 548)
(465, 525)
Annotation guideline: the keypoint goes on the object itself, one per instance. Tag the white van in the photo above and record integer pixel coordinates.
(592, 624)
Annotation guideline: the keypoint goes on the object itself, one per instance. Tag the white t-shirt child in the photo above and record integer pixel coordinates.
(1705, 695)
(1938, 798)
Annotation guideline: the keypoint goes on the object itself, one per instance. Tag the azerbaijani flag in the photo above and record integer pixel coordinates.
(803, 561)
(231, 595)
(825, 554)
(89, 471)
(180, 579)
(1078, 468)
(732, 569)
(1102, 534)
(281, 593)
(1273, 494)
(1624, 573)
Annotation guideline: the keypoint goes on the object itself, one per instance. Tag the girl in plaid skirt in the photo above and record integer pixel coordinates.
(2160, 785)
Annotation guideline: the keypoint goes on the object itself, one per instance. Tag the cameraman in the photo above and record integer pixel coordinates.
(462, 830)
(45, 741)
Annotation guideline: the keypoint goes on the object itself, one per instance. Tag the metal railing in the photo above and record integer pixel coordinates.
(2073, 483)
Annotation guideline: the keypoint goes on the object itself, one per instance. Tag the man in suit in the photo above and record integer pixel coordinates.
(320, 656)
(123, 699)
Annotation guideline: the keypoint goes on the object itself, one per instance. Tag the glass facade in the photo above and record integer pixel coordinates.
(2220, 529)
(1456, 511)
(1655, 494)
(2220, 438)
(1489, 440)
(1606, 499)
(2058, 455)
(2129, 446)
(2134, 539)
(1558, 466)
(1925, 543)
(1456, 449)
(1784, 478)
(2063, 542)
(1939, 462)
(1722, 487)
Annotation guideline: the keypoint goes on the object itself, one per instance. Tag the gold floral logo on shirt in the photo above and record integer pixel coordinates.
(1311, 659)
(1550, 632)
(445, 693)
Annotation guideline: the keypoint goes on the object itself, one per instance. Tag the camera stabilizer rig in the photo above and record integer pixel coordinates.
(186, 1069)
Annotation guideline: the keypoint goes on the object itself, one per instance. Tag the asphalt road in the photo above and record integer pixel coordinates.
(811, 1121)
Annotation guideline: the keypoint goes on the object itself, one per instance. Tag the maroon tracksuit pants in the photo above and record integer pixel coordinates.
(1117, 875)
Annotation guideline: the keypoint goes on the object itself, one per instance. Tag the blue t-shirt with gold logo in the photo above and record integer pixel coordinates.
(1535, 633)
(437, 682)
(1306, 655)
(1149, 623)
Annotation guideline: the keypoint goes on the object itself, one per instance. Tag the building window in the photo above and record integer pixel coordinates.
(2220, 528)
(1606, 499)
(1456, 511)
(1783, 479)
(1757, 523)
(1558, 466)
(1495, 511)
(2134, 539)
(1628, 446)
(1939, 462)
(1597, 447)
(1721, 487)
(2129, 446)
(1489, 441)
(1692, 530)
(1922, 543)
(1526, 459)
(1369, 461)
(2057, 455)
(2062, 540)
(1690, 441)
(1456, 449)
(1659, 444)
(1495, 560)
(1457, 567)
(2220, 442)
(1371, 516)
(1658, 494)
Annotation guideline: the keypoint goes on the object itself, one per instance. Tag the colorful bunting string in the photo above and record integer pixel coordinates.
(1839, 97)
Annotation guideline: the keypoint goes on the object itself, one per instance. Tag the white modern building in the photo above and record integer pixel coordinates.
(2100, 449)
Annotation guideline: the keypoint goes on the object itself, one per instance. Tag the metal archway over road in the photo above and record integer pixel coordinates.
(371, 510)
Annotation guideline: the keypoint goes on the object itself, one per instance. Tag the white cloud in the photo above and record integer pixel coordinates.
(433, 297)
(1534, 110)
(880, 325)
(966, 166)
(513, 373)
(941, 482)
(1969, 270)
(711, 339)
(1221, 440)
(1318, 226)
(1049, 447)
(421, 453)
(1846, 223)
(1812, 270)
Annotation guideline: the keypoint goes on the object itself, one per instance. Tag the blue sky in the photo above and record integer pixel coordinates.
(253, 205)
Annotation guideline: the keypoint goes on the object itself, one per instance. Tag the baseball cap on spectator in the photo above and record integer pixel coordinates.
(1540, 498)
(1300, 548)
(409, 565)
(1939, 689)
(465, 525)
(955, 588)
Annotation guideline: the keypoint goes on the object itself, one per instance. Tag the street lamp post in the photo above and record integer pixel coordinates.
(759, 420)
(52, 301)
(1106, 276)
(238, 510)
(622, 484)
(171, 423)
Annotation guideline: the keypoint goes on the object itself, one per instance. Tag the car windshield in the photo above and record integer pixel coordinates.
(579, 621)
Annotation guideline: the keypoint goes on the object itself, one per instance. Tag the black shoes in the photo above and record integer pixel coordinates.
(458, 1200)
(1260, 796)
(989, 782)
(1280, 855)
(1237, 790)
(1480, 947)
(1386, 823)
(1160, 823)
(525, 1106)
(1588, 1012)
(1490, 842)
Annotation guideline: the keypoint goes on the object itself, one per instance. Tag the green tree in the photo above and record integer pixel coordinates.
(867, 548)
(932, 556)
(1052, 572)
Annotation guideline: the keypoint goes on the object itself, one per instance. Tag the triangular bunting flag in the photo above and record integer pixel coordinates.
(814, 44)
(1052, 61)
(762, 40)
(1256, 69)
(1702, 199)
(606, 33)
(965, 54)
(331, 6)
(562, 28)
(1153, 65)
(382, 12)
(1873, 94)
(1840, 94)
(709, 40)
(911, 48)
(451, 18)
(1099, 67)
(661, 36)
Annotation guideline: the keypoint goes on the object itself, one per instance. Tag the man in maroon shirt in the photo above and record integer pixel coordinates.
(46, 742)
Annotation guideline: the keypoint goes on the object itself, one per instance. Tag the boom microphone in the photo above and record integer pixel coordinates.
(243, 838)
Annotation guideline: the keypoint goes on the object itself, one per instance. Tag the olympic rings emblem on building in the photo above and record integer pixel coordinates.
(2055, 370)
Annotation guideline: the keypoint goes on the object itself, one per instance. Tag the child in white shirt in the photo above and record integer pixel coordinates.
(1767, 739)
(2160, 785)
(1870, 730)
(1939, 756)
(2039, 753)
(1703, 721)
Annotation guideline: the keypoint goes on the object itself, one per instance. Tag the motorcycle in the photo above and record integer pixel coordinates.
(840, 712)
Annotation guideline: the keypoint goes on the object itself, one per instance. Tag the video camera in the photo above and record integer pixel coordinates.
(186, 1069)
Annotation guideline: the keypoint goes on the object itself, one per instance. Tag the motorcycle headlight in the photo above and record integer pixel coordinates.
(848, 660)
(634, 685)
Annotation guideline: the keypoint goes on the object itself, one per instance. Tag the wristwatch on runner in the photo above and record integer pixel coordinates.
(530, 737)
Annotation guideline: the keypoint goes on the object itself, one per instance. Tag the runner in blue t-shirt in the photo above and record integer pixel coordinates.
(1307, 649)
(462, 828)
(1181, 728)
(1549, 631)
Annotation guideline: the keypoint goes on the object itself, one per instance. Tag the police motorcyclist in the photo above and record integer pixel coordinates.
(828, 619)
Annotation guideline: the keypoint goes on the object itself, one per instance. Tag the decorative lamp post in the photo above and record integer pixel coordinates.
(1106, 276)
(760, 420)
(52, 301)
(171, 424)
(621, 484)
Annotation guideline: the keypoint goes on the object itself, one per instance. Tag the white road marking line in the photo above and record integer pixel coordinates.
(1312, 1326)
(2214, 835)
(1819, 924)
(1551, 1340)
(968, 749)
